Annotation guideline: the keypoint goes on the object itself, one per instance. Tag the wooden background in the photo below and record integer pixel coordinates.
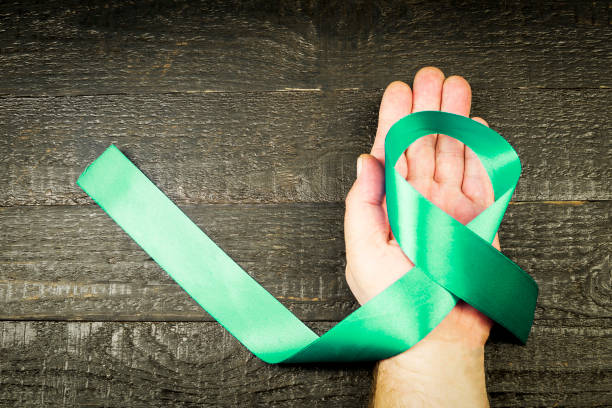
(250, 116)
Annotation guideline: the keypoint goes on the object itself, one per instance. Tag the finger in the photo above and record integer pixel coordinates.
(365, 222)
(496, 242)
(476, 184)
(396, 103)
(420, 156)
(456, 98)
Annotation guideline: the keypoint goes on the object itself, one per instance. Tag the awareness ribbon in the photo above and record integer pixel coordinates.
(453, 261)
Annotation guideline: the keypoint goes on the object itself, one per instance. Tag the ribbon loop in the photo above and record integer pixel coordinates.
(461, 258)
(452, 260)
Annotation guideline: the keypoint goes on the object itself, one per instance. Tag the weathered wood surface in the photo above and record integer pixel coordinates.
(111, 47)
(76, 263)
(281, 146)
(167, 364)
(250, 115)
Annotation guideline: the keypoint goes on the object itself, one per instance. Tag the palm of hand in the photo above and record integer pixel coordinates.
(441, 169)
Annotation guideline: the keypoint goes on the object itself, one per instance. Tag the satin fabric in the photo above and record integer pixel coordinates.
(454, 261)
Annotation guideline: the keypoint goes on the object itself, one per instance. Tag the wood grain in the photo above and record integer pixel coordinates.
(250, 115)
(282, 146)
(170, 364)
(182, 46)
(76, 263)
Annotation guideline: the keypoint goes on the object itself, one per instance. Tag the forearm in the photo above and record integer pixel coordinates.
(433, 373)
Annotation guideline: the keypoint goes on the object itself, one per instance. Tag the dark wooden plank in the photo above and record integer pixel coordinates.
(200, 364)
(559, 366)
(158, 365)
(108, 47)
(528, 43)
(282, 146)
(75, 263)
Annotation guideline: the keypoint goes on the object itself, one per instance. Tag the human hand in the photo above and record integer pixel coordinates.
(448, 174)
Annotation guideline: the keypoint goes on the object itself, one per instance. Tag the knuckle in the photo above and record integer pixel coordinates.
(350, 197)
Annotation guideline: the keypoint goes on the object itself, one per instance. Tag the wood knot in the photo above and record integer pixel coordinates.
(599, 283)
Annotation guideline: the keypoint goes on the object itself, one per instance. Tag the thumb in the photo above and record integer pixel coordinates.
(365, 221)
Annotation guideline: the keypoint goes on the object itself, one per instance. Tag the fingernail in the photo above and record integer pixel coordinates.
(359, 162)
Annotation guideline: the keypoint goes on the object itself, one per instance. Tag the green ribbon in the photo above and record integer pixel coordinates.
(453, 261)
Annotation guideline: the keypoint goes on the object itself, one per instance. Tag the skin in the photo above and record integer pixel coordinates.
(446, 368)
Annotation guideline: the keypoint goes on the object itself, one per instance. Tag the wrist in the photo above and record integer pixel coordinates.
(446, 368)
(433, 373)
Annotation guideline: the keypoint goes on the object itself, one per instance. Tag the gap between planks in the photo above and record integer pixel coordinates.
(324, 203)
(265, 91)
